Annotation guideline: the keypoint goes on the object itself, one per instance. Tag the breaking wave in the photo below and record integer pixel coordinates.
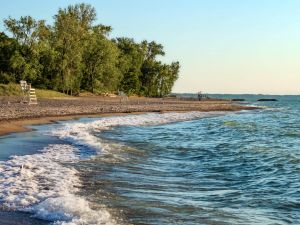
(83, 133)
(42, 185)
(46, 184)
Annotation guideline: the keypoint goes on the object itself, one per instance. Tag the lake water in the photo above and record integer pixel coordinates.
(173, 168)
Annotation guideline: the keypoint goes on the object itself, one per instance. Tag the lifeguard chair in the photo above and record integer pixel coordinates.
(28, 93)
(123, 96)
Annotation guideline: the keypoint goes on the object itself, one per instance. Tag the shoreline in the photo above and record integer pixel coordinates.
(21, 125)
(15, 117)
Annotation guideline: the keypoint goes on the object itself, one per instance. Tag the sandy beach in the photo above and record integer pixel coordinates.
(14, 116)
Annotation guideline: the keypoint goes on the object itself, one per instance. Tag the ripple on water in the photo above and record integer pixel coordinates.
(160, 169)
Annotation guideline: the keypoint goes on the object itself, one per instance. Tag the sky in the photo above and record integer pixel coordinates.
(223, 46)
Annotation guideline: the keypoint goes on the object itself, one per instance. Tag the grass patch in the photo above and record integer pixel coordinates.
(15, 90)
(40, 93)
(10, 90)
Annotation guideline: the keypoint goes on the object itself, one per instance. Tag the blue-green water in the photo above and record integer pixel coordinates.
(191, 168)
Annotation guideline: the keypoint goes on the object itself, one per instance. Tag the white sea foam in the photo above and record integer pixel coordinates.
(43, 185)
(82, 133)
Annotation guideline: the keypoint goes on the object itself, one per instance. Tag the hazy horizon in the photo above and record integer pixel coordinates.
(223, 46)
(209, 93)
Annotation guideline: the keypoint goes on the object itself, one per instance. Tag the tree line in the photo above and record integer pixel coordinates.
(75, 54)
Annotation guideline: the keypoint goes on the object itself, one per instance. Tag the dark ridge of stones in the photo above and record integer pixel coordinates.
(267, 100)
(238, 100)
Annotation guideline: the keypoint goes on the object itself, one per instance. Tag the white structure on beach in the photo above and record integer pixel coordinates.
(28, 92)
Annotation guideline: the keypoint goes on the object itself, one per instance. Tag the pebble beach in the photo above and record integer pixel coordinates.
(13, 114)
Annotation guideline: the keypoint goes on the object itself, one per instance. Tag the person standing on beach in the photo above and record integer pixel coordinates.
(199, 95)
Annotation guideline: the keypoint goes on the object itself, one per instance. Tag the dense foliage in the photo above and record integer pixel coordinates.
(75, 55)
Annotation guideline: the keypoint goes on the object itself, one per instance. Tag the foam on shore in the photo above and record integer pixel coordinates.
(82, 133)
(46, 184)
(43, 185)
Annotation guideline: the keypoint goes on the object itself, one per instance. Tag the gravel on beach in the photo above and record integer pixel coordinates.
(12, 109)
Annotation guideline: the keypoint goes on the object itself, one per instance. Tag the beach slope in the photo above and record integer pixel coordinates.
(15, 115)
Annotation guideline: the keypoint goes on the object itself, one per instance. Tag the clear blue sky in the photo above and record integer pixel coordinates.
(224, 46)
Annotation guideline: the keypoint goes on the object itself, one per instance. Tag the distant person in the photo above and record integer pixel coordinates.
(199, 95)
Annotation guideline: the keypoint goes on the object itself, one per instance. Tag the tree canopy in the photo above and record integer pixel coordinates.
(75, 54)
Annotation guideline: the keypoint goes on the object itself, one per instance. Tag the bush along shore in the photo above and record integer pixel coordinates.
(75, 54)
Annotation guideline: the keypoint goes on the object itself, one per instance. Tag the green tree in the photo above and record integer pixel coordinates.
(153, 50)
(25, 60)
(71, 29)
(157, 79)
(167, 76)
(74, 54)
(7, 48)
(100, 60)
(151, 68)
(130, 62)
